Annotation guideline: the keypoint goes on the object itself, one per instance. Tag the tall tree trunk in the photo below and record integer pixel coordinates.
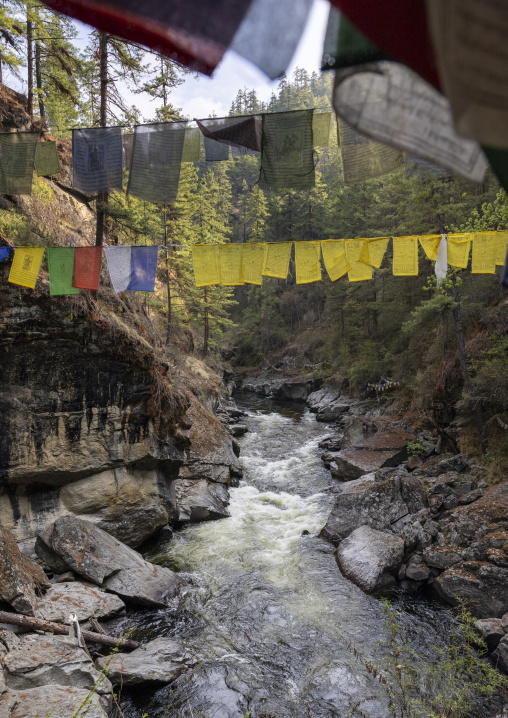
(207, 324)
(38, 78)
(102, 197)
(1, 75)
(30, 60)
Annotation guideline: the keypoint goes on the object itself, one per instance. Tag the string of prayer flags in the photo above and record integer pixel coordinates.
(143, 268)
(205, 260)
(501, 247)
(17, 157)
(156, 161)
(405, 256)
(287, 154)
(230, 264)
(383, 386)
(61, 268)
(26, 265)
(119, 267)
(373, 251)
(97, 159)
(334, 257)
(4, 253)
(253, 260)
(215, 151)
(192, 145)
(430, 244)
(46, 159)
(277, 259)
(321, 123)
(458, 249)
(362, 158)
(87, 267)
(238, 131)
(358, 272)
(484, 253)
(307, 262)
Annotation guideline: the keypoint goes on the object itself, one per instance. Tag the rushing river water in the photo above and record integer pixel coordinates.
(276, 624)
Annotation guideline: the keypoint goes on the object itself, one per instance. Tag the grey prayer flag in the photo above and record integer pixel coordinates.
(128, 141)
(17, 157)
(287, 156)
(239, 131)
(192, 145)
(416, 167)
(215, 151)
(362, 158)
(97, 159)
(156, 161)
(243, 152)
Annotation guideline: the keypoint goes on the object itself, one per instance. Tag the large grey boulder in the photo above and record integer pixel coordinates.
(159, 661)
(481, 585)
(101, 559)
(20, 577)
(491, 630)
(322, 397)
(500, 655)
(369, 558)
(332, 411)
(200, 500)
(83, 599)
(386, 448)
(38, 661)
(57, 701)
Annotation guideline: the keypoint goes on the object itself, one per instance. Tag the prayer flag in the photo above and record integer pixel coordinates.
(17, 157)
(430, 244)
(61, 267)
(156, 161)
(215, 151)
(238, 131)
(97, 159)
(205, 260)
(321, 122)
(119, 267)
(345, 46)
(362, 158)
(334, 257)
(192, 145)
(441, 266)
(87, 267)
(501, 247)
(143, 268)
(405, 256)
(128, 142)
(307, 262)
(25, 266)
(358, 272)
(4, 253)
(287, 155)
(253, 259)
(242, 152)
(46, 159)
(458, 249)
(416, 167)
(277, 259)
(230, 264)
(484, 253)
(373, 251)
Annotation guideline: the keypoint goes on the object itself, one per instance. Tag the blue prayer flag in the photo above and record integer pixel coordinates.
(143, 268)
(4, 253)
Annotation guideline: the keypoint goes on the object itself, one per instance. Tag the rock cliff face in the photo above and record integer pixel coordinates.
(88, 424)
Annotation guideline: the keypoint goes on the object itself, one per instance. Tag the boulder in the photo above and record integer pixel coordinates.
(500, 655)
(331, 443)
(41, 660)
(159, 661)
(480, 584)
(369, 558)
(238, 429)
(58, 701)
(491, 630)
(331, 412)
(322, 397)
(20, 577)
(200, 501)
(83, 599)
(101, 559)
(386, 448)
(295, 389)
(441, 557)
(417, 569)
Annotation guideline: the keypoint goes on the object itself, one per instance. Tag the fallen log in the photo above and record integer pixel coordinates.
(36, 624)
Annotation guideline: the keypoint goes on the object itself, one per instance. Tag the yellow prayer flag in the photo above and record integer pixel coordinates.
(277, 260)
(230, 264)
(307, 264)
(430, 244)
(253, 259)
(334, 257)
(26, 265)
(373, 250)
(484, 253)
(501, 246)
(458, 249)
(358, 272)
(405, 256)
(205, 260)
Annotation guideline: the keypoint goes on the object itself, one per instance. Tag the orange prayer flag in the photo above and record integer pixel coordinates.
(87, 267)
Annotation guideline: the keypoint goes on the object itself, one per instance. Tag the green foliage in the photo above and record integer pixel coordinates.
(416, 449)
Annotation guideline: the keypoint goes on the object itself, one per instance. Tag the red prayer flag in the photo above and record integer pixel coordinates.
(87, 267)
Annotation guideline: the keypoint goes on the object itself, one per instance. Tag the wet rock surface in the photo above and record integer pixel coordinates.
(369, 558)
(50, 700)
(83, 599)
(200, 501)
(20, 577)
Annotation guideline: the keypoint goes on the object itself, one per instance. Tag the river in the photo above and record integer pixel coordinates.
(279, 630)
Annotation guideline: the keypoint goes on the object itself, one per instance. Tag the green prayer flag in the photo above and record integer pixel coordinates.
(345, 46)
(287, 154)
(321, 122)
(17, 157)
(364, 159)
(191, 145)
(46, 159)
(61, 267)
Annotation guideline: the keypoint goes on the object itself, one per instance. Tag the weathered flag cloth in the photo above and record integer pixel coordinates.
(321, 123)
(119, 267)
(277, 259)
(46, 159)
(128, 142)
(97, 159)
(287, 153)
(215, 151)
(4, 253)
(238, 131)
(143, 268)
(230, 264)
(484, 253)
(87, 267)
(458, 250)
(358, 271)
(334, 257)
(156, 161)
(362, 158)
(307, 262)
(192, 145)
(17, 157)
(253, 260)
(25, 266)
(405, 256)
(205, 260)
(373, 251)
(61, 269)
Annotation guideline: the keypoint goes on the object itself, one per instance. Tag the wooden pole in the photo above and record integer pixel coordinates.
(36, 624)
